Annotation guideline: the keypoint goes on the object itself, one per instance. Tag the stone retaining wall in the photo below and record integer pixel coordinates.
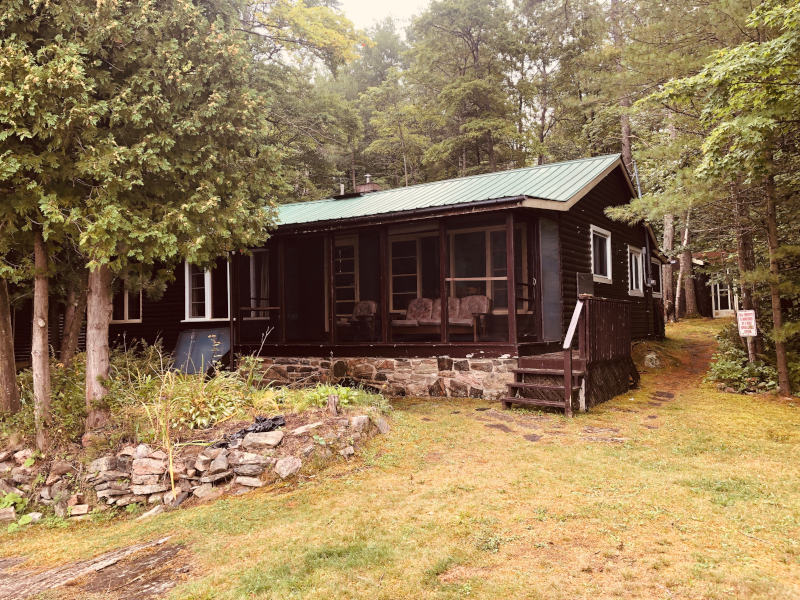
(438, 377)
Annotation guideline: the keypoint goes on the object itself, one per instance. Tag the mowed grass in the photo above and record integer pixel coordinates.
(698, 497)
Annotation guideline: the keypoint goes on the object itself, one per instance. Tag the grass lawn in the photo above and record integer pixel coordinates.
(694, 497)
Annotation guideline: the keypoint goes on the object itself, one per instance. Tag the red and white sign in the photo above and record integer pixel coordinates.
(746, 320)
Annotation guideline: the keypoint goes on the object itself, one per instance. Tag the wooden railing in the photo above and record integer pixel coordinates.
(604, 333)
(607, 327)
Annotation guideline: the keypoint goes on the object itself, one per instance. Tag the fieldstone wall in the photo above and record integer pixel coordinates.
(439, 377)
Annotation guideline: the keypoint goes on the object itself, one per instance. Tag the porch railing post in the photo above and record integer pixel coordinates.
(568, 382)
(444, 294)
(282, 312)
(233, 306)
(383, 242)
(331, 246)
(511, 283)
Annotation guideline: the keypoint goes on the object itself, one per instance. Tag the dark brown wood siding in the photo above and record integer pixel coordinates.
(161, 318)
(576, 252)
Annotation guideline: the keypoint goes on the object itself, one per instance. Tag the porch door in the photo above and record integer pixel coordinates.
(305, 290)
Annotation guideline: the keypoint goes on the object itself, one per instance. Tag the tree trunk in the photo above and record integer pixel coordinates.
(745, 259)
(781, 362)
(9, 393)
(73, 319)
(98, 317)
(40, 359)
(686, 268)
(668, 281)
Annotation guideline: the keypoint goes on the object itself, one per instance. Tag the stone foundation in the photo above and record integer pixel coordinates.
(440, 377)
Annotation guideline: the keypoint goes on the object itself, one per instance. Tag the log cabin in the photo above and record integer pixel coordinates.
(513, 286)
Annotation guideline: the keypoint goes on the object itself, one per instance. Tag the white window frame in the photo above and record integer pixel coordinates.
(594, 229)
(126, 307)
(639, 252)
(417, 239)
(656, 265)
(187, 289)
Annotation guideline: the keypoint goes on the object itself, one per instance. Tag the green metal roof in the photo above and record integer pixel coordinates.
(557, 182)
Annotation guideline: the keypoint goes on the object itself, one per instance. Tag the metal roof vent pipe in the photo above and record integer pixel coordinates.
(368, 186)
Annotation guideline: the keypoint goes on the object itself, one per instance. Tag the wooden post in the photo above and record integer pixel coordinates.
(568, 381)
(511, 280)
(282, 311)
(383, 240)
(333, 404)
(533, 276)
(233, 306)
(331, 287)
(583, 325)
(444, 293)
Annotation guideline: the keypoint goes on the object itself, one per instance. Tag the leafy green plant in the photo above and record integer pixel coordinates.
(730, 367)
(13, 499)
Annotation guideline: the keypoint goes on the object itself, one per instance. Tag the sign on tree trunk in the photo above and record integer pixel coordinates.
(746, 320)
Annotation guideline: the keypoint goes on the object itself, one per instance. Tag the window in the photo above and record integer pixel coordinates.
(345, 265)
(635, 272)
(721, 295)
(655, 272)
(207, 292)
(415, 269)
(126, 306)
(478, 264)
(601, 254)
(258, 276)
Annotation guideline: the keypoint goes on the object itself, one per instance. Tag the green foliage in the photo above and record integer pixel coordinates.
(13, 499)
(730, 367)
(317, 397)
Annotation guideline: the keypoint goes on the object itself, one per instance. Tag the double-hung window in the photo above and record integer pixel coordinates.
(126, 306)
(635, 271)
(601, 254)
(207, 292)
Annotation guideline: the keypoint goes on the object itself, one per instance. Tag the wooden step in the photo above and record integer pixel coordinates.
(507, 401)
(553, 371)
(537, 386)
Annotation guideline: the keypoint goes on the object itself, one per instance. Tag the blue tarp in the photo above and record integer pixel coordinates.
(198, 349)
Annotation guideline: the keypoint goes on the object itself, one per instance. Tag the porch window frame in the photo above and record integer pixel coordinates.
(606, 234)
(406, 237)
(655, 265)
(126, 307)
(451, 281)
(251, 279)
(207, 296)
(636, 291)
(347, 240)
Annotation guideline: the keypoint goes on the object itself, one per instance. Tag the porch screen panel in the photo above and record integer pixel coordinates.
(345, 279)
(219, 290)
(469, 264)
(429, 266)
(550, 288)
(404, 273)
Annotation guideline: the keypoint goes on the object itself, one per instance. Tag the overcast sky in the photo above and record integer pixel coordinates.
(364, 13)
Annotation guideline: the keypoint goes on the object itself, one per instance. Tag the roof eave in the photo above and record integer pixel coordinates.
(418, 213)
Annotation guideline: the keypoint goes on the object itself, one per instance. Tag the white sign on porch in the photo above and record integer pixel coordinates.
(746, 320)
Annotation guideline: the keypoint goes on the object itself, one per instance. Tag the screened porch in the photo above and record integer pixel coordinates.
(350, 291)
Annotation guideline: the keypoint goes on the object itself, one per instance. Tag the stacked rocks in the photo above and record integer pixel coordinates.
(139, 474)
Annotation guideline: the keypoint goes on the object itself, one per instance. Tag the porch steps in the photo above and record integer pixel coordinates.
(539, 381)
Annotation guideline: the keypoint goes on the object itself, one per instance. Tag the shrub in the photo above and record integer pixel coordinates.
(730, 367)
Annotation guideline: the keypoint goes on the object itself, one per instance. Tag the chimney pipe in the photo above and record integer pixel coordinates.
(368, 177)
(341, 189)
